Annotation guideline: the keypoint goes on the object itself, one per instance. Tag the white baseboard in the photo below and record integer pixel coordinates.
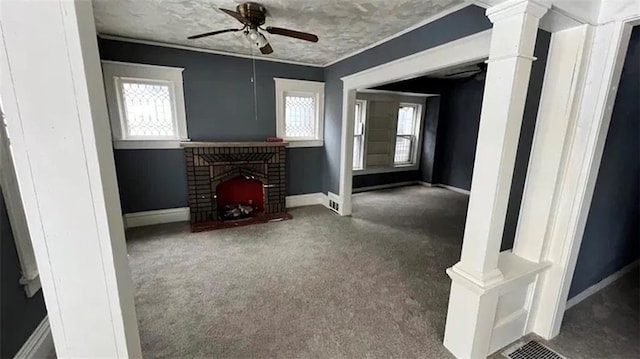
(309, 199)
(147, 218)
(451, 188)
(426, 184)
(384, 186)
(182, 214)
(39, 344)
(599, 286)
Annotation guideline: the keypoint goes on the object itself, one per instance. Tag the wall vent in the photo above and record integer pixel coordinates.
(334, 202)
(334, 206)
(531, 350)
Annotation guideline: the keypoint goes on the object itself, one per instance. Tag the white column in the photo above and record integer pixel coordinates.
(474, 297)
(510, 57)
(564, 81)
(55, 109)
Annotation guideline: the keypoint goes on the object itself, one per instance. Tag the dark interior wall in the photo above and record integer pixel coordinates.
(19, 315)
(219, 107)
(458, 124)
(429, 140)
(465, 22)
(460, 107)
(611, 238)
(526, 138)
(378, 179)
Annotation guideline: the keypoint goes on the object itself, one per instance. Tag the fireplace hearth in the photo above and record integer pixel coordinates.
(234, 184)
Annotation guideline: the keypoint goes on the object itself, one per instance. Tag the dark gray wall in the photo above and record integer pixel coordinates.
(429, 140)
(378, 179)
(464, 22)
(457, 131)
(460, 107)
(219, 107)
(429, 125)
(612, 239)
(19, 315)
(526, 138)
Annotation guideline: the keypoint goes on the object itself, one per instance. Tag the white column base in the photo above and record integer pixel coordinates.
(483, 318)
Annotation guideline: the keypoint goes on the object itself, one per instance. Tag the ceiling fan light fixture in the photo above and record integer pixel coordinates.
(253, 34)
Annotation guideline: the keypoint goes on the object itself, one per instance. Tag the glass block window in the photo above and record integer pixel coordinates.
(359, 136)
(300, 115)
(405, 134)
(147, 109)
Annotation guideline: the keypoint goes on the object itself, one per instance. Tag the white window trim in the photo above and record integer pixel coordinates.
(417, 131)
(363, 112)
(401, 98)
(289, 85)
(114, 72)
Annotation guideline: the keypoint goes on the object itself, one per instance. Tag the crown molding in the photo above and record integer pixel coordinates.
(200, 49)
(260, 58)
(400, 33)
(516, 7)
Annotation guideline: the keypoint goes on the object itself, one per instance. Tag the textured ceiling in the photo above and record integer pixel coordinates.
(344, 26)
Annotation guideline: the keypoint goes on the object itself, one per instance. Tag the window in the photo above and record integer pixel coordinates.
(146, 105)
(406, 134)
(300, 112)
(358, 135)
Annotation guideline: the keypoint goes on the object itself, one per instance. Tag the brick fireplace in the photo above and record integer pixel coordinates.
(228, 178)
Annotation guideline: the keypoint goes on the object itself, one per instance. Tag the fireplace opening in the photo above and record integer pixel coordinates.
(239, 198)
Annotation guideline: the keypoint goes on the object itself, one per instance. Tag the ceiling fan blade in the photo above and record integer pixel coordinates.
(266, 49)
(236, 15)
(292, 33)
(212, 33)
(464, 72)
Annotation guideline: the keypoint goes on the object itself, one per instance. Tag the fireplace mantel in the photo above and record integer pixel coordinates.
(233, 144)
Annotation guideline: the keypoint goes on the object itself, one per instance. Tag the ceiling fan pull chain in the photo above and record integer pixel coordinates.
(254, 80)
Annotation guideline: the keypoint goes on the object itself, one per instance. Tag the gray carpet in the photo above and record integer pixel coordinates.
(605, 325)
(318, 286)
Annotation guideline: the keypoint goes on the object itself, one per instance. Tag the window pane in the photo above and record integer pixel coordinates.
(406, 119)
(358, 145)
(300, 116)
(358, 136)
(403, 149)
(358, 128)
(147, 110)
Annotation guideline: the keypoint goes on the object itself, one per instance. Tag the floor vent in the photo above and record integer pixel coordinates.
(531, 350)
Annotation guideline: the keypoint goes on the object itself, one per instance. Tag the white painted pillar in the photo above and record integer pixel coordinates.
(54, 105)
(474, 297)
(512, 43)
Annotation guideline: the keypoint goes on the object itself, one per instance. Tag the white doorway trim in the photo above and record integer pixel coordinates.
(578, 183)
(466, 50)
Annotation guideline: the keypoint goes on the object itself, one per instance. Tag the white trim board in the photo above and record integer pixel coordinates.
(309, 199)
(600, 285)
(39, 344)
(452, 188)
(225, 53)
(400, 33)
(182, 214)
(468, 49)
(199, 49)
(385, 186)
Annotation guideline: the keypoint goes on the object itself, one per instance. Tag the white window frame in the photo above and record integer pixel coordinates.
(115, 73)
(417, 134)
(363, 113)
(401, 98)
(290, 86)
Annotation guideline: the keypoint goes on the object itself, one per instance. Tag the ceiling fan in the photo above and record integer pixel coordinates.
(252, 16)
(478, 70)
